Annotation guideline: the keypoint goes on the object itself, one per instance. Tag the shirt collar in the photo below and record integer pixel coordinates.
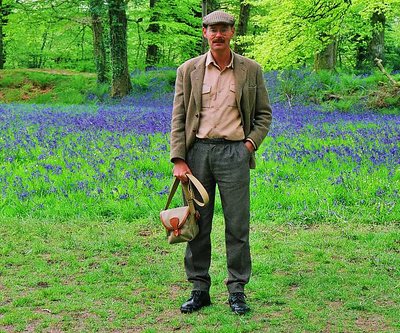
(210, 60)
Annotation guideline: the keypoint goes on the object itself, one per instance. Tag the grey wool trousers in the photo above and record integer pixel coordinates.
(226, 164)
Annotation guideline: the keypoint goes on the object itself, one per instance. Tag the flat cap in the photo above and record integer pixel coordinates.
(218, 17)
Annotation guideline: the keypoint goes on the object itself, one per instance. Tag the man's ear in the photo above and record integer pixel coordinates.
(204, 32)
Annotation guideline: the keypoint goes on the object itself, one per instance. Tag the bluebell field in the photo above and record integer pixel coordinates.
(111, 161)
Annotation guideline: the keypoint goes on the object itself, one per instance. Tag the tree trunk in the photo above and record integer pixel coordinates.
(152, 55)
(41, 57)
(2, 60)
(377, 43)
(242, 25)
(120, 84)
(204, 45)
(99, 49)
(4, 11)
(326, 59)
(212, 5)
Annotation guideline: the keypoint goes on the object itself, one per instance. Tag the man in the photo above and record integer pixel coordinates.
(221, 114)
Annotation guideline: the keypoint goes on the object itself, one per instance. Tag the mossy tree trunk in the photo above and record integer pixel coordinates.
(327, 57)
(152, 55)
(377, 43)
(99, 49)
(120, 83)
(5, 10)
(241, 30)
(2, 60)
(204, 12)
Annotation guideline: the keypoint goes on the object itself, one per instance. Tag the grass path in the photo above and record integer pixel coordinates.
(56, 71)
(99, 276)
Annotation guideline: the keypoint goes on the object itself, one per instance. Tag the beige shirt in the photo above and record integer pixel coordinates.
(219, 116)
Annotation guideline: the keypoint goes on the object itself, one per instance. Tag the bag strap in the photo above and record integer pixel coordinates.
(188, 192)
(200, 188)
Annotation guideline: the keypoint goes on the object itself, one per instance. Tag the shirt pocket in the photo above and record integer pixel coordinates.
(232, 95)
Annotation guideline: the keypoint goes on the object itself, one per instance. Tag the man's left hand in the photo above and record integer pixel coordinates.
(249, 146)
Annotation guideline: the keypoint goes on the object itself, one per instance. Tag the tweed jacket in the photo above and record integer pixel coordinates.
(251, 98)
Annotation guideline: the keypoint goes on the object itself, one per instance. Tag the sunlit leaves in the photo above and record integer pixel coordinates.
(288, 33)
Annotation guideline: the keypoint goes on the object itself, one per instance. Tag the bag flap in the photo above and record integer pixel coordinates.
(174, 218)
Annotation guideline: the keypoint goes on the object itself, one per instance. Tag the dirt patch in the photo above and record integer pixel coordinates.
(335, 305)
(386, 303)
(31, 327)
(43, 284)
(372, 323)
(7, 328)
(41, 90)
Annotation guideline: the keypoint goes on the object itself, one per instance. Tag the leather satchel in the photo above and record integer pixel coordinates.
(181, 222)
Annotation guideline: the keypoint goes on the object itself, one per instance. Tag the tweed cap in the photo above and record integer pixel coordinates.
(218, 17)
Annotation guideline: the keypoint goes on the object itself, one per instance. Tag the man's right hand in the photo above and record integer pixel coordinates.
(180, 170)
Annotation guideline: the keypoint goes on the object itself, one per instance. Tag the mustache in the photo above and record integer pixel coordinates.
(219, 40)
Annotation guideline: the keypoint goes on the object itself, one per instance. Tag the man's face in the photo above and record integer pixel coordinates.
(218, 36)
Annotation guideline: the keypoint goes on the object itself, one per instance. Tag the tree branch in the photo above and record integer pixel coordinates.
(383, 70)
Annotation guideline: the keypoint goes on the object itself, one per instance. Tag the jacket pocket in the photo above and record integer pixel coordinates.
(252, 95)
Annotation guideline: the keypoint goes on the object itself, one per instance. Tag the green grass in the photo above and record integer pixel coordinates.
(80, 252)
(86, 276)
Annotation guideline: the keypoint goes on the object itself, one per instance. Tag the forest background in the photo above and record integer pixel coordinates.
(116, 37)
(86, 90)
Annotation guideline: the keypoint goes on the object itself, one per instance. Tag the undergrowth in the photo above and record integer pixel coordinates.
(352, 92)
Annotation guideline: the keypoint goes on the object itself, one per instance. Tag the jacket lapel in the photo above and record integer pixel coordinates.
(196, 77)
(240, 73)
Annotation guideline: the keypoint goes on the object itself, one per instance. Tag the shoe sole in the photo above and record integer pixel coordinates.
(194, 310)
(240, 313)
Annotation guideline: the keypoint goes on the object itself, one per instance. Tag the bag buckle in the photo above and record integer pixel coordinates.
(174, 221)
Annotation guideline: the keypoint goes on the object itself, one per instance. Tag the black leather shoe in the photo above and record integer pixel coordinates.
(197, 300)
(238, 304)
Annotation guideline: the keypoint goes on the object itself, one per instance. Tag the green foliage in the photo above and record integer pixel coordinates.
(15, 81)
(52, 34)
(281, 35)
(179, 36)
(290, 32)
(340, 91)
(287, 34)
(159, 81)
